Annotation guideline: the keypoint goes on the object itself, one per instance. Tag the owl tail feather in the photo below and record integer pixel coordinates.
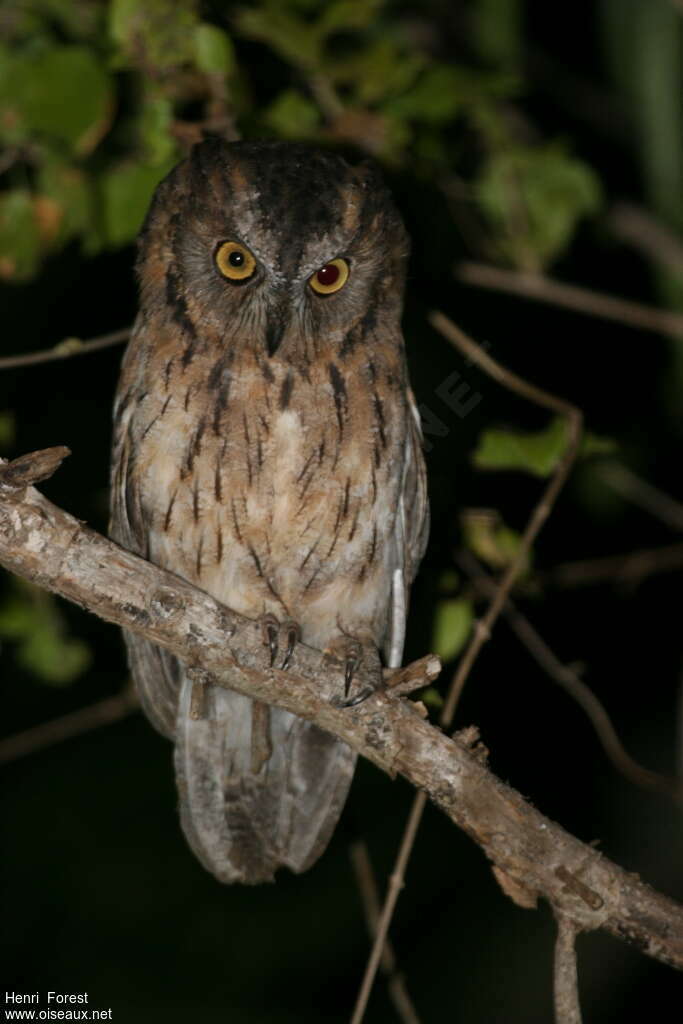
(245, 815)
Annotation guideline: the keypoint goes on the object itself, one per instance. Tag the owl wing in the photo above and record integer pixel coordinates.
(156, 672)
(412, 532)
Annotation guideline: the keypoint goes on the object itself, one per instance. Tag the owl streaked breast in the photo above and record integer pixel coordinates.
(267, 449)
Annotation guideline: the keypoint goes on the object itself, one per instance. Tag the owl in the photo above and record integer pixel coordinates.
(267, 449)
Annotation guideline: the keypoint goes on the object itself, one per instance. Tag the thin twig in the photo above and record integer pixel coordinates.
(483, 627)
(643, 494)
(637, 227)
(76, 723)
(581, 300)
(631, 567)
(566, 982)
(395, 886)
(66, 350)
(572, 684)
(367, 887)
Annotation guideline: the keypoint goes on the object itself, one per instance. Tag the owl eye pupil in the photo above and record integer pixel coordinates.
(328, 275)
(236, 258)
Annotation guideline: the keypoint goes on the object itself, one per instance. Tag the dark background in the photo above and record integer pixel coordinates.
(101, 893)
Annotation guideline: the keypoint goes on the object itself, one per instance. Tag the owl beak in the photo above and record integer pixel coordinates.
(275, 328)
(279, 313)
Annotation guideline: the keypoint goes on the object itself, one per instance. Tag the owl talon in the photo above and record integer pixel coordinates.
(270, 631)
(353, 702)
(293, 638)
(352, 663)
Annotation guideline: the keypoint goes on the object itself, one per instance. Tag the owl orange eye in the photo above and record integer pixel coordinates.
(235, 261)
(330, 278)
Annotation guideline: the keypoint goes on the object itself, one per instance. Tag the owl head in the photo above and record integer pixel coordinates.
(266, 243)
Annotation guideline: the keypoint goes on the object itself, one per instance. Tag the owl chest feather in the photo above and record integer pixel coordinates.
(276, 490)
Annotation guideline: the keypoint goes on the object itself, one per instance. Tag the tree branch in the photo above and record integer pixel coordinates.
(76, 723)
(632, 567)
(572, 684)
(367, 886)
(566, 982)
(66, 349)
(56, 551)
(569, 296)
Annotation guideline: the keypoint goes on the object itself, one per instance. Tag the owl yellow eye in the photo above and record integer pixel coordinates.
(235, 261)
(330, 278)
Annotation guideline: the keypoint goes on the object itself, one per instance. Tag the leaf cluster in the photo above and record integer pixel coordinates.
(100, 98)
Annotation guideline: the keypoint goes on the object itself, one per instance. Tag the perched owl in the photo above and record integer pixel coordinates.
(267, 449)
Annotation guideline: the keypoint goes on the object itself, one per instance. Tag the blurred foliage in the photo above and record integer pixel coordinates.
(452, 627)
(491, 540)
(533, 198)
(101, 97)
(31, 620)
(537, 452)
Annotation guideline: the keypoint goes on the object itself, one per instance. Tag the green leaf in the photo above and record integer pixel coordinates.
(62, 93)
(507, 544)
(214, 52)
(382, 69)
(534, 198)
(126, 194)
(67, 188)
(293, 116)
(535, 452)
(32, 619)
(436, 97)
(156, 33)
(491, 540)
(19, 236)
(54, 659)
(444, 91)
(347, 15)
(297, 41)
(452, 626)
(154, 128)
(431, 698)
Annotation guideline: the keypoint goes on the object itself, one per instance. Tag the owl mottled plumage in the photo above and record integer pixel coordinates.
(267, 449)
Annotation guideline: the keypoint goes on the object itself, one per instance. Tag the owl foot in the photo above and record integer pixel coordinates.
(270, 632)
(349, 653)
(293, 631)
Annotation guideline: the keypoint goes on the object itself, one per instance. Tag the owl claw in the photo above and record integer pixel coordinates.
(351, 653)
(270, 629)
(293, 637)
(358, 699)
(352, 662)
